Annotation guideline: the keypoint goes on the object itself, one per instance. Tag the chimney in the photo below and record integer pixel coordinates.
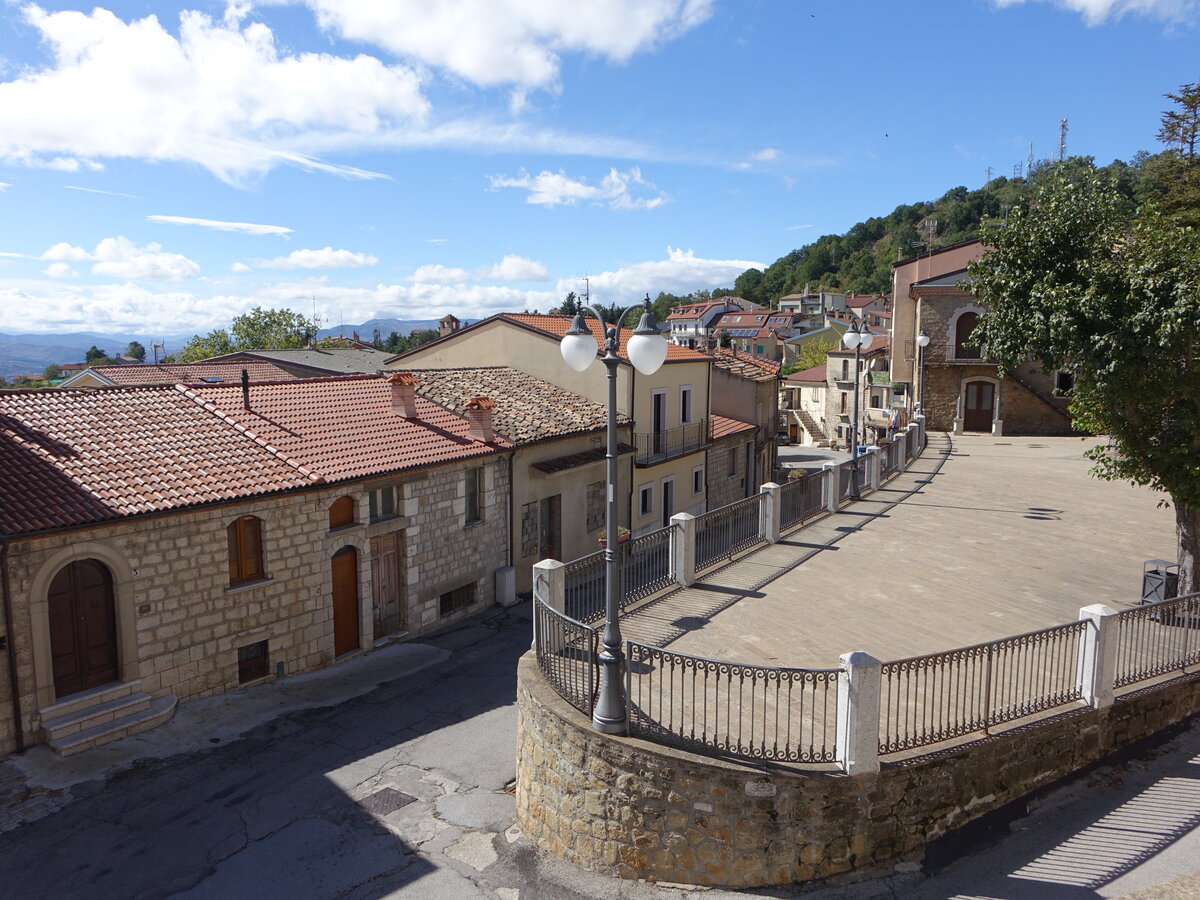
(245, 389)
(404, 394)
(479, 414)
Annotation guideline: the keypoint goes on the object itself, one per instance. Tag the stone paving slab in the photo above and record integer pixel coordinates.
(983, 537)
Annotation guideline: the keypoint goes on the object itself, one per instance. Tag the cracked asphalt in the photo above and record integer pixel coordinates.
(386, 776)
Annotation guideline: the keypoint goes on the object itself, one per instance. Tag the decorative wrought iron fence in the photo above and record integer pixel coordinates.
(585, 588)
(800, 499)
(566, 656)
(1157, 639)
(929, 699)
(726, 709)
(646, 565)
(724, 532)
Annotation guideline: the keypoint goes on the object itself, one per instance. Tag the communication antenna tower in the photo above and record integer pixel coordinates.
(1062, 139)
(1018, 170)
(1029, 159)
(989, 177)
(156, 347)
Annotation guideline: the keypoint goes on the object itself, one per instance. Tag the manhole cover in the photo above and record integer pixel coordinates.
(385, 800)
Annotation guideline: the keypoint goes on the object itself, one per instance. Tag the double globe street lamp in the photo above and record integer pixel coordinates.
(647, 350)
(857, 338)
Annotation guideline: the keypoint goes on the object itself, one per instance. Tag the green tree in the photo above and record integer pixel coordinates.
(569, 306)
(51, 373)
(259, 329)
(1081, 280)
(136, 351)
(1177, 170)
(813, 353)
(93, 355)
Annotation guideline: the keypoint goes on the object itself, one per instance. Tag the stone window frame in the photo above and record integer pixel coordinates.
(646, 499)
(376, 504)
(952, 329)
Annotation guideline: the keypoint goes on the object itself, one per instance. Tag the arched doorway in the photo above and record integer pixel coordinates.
(345, 601)
(83, 627)
(978, 402)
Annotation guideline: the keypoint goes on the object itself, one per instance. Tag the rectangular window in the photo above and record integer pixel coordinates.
(646, 500)
(596, 497)
(733, 461)
(685, 404)
(382, 503)
(253, 662)
(845, 370)
(843, 402)
(698, 480)
(245, 550)
(474, 491)
(459, 598)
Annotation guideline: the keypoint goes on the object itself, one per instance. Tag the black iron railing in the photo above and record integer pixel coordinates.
(659, 446)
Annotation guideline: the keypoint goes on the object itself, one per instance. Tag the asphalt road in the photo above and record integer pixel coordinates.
(297, 805)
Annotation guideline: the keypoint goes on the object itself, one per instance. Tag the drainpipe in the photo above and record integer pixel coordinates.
(18, 731)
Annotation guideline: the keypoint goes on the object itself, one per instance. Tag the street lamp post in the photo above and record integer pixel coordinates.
(922, 343)
(646, 349)
(856, 338)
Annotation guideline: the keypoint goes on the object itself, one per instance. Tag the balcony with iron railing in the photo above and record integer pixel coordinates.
(657, 447)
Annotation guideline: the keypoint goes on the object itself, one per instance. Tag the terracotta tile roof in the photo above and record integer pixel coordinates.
(176, 373)
(74, 457)
(816, 373)
(558, 326)
(574, 460)
(758, 368)
(527, 410)
(695, 311)
(331, 361)
(723, 426)
(344, 427)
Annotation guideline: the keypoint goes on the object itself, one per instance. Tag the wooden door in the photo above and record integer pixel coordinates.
(387, 583)
(668, 501)
(83, 627)
(345, 600)
(977, 406)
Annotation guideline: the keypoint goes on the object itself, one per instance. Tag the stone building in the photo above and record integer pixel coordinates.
(962, 392)
(165, 543)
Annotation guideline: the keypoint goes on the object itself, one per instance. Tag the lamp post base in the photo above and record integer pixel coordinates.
(609, 715)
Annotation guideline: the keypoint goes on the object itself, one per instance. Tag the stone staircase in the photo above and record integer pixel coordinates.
(101, 715)
(806, 419)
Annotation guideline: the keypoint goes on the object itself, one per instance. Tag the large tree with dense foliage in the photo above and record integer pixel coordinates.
(1081, 279)
(259, 329)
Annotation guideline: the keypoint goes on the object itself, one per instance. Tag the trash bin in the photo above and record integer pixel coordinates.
(1160, 580)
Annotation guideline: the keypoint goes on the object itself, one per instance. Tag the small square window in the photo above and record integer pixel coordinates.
(646, 500)
(733, 461)
(459, 598)
(382, 503)
(253, 662)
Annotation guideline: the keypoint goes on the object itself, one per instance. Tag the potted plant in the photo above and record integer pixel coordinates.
(622, 536)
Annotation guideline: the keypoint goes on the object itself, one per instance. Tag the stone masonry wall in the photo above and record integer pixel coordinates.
(184, 621)
(721, 487)
(630, 808)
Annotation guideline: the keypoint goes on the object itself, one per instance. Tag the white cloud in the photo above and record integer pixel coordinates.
(4, 185)
(796, 227)
(680, 273)
(221, 95)
(514, 268)
(60, 270)
(73, 187)
(121, 258)
(1097, 12)
(617, 189)
(243, 227)
(517, 42)
(239, 267)
(766, 154)
(327, 258)
(439, 274)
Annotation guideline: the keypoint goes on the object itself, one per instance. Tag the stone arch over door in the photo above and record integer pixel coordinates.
(956, 318)
(123, 596)
(978, 406)
(346, 593)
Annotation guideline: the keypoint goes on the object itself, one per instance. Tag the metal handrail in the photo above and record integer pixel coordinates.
(724, 532)
(670, 443)
(567, 655)
(1157, 639)
(729, 709)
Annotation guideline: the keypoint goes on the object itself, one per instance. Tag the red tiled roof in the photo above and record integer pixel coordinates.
(176, 373)
(558, 326)
(816, 373)
(343, 427)
(747, 365)
(723, 426)
(74, 457)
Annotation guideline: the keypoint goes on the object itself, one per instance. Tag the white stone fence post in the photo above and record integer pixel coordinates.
(1096, 670)
(770, 511)
(859, 687)
(683, 549)
(829, 486)
(550, 587)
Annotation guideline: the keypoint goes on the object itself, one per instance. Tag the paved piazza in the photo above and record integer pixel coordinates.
(983, 537)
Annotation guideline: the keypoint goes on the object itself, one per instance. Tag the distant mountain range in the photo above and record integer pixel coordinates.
(29, 354)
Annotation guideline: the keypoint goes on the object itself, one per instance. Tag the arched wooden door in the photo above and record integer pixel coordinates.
(977, 406)
(83, 627)
(345, 601)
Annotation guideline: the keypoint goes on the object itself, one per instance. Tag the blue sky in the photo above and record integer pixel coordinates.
(167, 167)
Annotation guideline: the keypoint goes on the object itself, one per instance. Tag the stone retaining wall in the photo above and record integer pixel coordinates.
(635, 809)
